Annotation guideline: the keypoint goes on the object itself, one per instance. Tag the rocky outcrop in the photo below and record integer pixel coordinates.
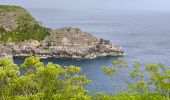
(60, 43)
(66, 43)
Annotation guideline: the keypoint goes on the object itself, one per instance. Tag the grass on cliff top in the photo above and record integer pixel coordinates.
(9, 8)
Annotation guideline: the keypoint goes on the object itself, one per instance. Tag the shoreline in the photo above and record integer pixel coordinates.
(42, 57)
(64, 58)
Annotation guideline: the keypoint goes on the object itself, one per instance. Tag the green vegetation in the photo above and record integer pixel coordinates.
(27, 27)
(40, 82)
(11, 8)
(24, 32)
(53, 82)
(157, 87)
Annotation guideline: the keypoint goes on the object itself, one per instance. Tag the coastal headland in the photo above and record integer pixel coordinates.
(22, 35)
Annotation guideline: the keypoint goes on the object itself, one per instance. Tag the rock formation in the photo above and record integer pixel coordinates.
(60, 43)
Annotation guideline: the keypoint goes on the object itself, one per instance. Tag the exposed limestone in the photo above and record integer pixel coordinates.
(66, 43)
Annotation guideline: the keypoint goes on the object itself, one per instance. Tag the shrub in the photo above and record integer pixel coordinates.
(41, 81)
(159, 78)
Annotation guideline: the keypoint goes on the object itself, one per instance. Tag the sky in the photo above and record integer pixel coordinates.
(155, 5)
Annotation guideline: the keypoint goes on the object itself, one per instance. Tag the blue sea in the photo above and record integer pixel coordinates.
(144, 35)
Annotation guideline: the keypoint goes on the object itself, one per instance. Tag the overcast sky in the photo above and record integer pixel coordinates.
(157, 5)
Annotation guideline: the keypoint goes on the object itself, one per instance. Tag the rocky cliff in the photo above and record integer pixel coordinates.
(21, 35)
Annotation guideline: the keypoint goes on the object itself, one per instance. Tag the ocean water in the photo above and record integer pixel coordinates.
(145, 36)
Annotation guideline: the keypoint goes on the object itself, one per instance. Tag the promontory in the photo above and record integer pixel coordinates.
(22, 35)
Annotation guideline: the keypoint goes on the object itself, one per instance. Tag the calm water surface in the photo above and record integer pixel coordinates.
(143, 35)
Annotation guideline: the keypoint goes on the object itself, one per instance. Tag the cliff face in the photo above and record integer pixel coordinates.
(21, 35)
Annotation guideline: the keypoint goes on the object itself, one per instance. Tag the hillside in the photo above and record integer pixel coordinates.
(17, 25)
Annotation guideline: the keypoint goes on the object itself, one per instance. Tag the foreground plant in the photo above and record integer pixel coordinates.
(153, 85)
(35, 81)
(41, 82)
